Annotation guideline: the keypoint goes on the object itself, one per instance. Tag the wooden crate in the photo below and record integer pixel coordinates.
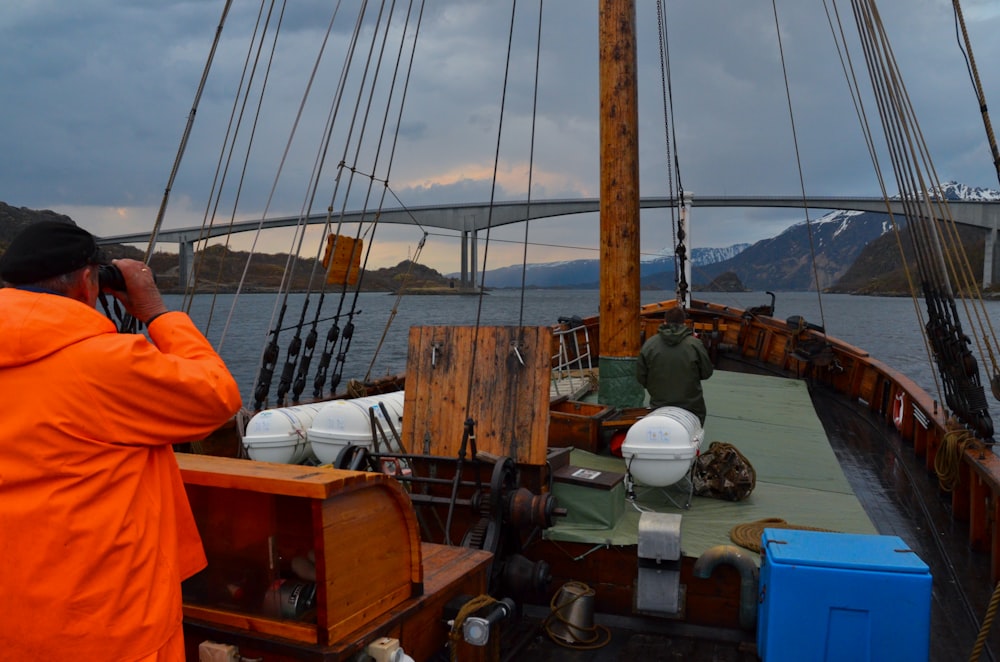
(255, 518)
(578, 424)
(418, 623)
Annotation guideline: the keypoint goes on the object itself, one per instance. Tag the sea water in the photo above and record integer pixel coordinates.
(887, 328)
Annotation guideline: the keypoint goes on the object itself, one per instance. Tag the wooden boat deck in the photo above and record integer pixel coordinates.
(821, 462)
(772, 421)
(902, 498)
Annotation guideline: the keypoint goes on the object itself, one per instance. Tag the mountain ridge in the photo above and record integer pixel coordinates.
(783, 262)
(849, 248)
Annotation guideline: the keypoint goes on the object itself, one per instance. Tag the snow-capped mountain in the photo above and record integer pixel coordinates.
(700, 256)
(781, 262)
(586, 273)
(956, 191)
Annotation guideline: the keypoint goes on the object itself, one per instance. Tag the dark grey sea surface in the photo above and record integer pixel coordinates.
(886, 327)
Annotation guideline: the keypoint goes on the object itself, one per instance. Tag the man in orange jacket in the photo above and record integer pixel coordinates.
(96, 533)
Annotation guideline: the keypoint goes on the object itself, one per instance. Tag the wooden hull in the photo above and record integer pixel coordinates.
(890, 396)
(737, 341)
(892, 420)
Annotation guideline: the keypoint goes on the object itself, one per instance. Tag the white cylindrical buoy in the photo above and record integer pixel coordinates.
(660, 447)
(344, 422)
(280, 434)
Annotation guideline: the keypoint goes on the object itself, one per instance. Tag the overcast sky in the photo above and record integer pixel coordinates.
(96, 94)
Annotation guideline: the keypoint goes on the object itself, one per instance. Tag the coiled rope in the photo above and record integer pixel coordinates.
(748, 535)
(948, 460)
(469, 608)
(599, 636)
(984, 629)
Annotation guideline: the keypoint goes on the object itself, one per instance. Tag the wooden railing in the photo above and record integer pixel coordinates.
(919, 419)
(891, 396)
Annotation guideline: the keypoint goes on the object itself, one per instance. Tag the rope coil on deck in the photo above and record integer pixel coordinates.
(948, 459)
(597, 636)
(984, 629)
(748, 535)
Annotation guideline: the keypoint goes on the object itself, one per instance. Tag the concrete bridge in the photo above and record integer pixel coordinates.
(470, 219)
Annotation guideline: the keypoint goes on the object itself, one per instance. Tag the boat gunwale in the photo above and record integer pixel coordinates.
(920, 420)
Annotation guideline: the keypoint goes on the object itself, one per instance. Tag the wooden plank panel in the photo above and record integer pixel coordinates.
(979, 513)
(509, 370)
(933, 444)
(249, 623)
(994, 540)
(869, 384)
(369, 549)
(418, 623)
(286, 479)
(225, 536)
(961, 495)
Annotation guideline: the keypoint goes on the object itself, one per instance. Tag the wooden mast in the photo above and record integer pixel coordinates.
(619, 137)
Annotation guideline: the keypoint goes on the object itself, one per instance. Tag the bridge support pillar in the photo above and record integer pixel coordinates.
(473, 262)
(465, 258)
(185, 269)
(990, 256)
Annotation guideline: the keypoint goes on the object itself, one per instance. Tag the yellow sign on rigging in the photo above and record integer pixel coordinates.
(345, 265)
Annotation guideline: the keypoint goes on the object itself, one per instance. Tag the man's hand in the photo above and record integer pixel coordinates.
(142, 297)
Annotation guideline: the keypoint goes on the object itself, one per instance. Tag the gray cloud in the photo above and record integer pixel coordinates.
(97, 94)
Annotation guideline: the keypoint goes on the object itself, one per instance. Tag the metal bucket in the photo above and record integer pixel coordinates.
(572, 618)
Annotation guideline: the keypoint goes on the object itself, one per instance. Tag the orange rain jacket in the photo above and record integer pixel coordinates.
(96, 532)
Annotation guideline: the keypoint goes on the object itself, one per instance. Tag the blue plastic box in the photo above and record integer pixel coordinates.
(839, 596)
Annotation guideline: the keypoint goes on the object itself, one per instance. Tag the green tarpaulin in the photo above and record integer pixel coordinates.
(772, 422)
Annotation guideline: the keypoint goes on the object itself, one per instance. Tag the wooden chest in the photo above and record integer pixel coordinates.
(266, 527)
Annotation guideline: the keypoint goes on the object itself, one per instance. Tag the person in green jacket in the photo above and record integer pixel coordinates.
(672, 365)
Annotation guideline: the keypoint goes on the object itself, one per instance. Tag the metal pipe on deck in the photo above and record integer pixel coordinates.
(747, 567)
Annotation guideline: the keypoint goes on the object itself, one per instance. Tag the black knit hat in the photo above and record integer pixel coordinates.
(46, 249)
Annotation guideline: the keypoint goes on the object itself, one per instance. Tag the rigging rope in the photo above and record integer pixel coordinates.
(395, 306)
(677, 235)
(301, 347)
(221, 171)
(489, 215)
(348, 333)
(187, 132)
(966, 47)
(345, 341)
(387, 189)
(854, 88)
(531, 165)
(332, 337)
(798, 163)
(270, 355)
(937, 246)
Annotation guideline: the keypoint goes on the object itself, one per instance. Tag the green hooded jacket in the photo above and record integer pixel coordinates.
(671, 366)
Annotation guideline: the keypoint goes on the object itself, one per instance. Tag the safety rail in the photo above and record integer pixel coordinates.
(572, 367)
